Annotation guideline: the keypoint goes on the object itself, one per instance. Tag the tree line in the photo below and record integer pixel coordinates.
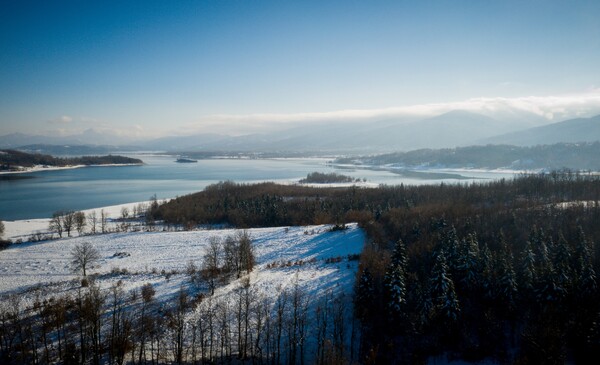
(269, 204)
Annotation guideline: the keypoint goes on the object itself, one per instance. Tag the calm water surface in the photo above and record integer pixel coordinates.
(44, 192)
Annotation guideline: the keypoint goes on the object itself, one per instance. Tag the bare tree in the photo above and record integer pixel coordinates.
(1, 229)
(223, 325)
(243, 307)
(79, 222)
(103, 221)
(56, 223)
(92, 220)
(125, 213)
(176, 323)
(124, 218)
(239, 254)
(210, 263)
(92, 310)
(144, 321)
(230, 261)
(245, 253)
(83, 256)
(68, 221)
(280, 312)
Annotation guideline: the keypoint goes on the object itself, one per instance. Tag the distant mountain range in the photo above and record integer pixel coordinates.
(88, 137)
(453, 129)
(569, 131)
(576, 156)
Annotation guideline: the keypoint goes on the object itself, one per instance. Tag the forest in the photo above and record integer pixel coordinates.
(502, 270)
(12, 158)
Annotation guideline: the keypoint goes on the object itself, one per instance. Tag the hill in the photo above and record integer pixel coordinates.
(311, 268)
(451, 129)
(568, 131)
(582, 156)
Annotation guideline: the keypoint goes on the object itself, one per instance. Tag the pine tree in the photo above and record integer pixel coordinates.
(470, 263)
(527, 273)
(506, 283)
(396, 289)
(395, 279)
(364, 295)
(399, 256)
(582, 253)
(443, 294)
(585, 275)
(588, 284)
(541, 250)
(487, 271)
(562, 267)
(451, 246)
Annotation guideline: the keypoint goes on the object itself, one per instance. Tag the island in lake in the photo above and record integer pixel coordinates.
(327, 178)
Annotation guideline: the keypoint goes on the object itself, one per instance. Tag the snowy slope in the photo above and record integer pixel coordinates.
(160, 258)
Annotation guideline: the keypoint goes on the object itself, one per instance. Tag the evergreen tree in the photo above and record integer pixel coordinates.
(527, 273)
(506, 283)
(582, 253)
(395, 280)
(451, 246)
(470, 263)
(396, 287)
(364, 296)
(399, 256)
(443, 294)
(536, 238)
(562, 268)
(487, 271)
(588, 284)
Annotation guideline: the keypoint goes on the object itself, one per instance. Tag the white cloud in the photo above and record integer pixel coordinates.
(550, 108)
(65, 119)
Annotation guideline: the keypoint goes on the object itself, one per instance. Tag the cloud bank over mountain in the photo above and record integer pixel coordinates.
(541, 109)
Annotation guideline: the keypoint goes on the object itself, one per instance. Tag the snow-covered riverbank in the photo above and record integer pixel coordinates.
(38, 168)
(25, 228)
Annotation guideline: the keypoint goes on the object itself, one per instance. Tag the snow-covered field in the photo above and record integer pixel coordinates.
(42, 269)
(23, 229)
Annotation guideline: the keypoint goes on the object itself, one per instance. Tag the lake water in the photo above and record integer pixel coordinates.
(39, 194)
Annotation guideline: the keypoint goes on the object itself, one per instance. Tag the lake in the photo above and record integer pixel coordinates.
(39, 194)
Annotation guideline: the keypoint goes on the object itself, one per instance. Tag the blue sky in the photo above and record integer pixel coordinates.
(155, 67)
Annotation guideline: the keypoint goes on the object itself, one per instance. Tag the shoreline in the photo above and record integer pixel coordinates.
(25, 228)
(39, 168)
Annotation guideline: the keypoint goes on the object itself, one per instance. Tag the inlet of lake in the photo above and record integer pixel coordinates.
(39, 194)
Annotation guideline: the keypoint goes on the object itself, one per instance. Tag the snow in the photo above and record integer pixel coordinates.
(37, 168)
(361, 184)
(23, 229)
(160, 258)
(576, 203)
